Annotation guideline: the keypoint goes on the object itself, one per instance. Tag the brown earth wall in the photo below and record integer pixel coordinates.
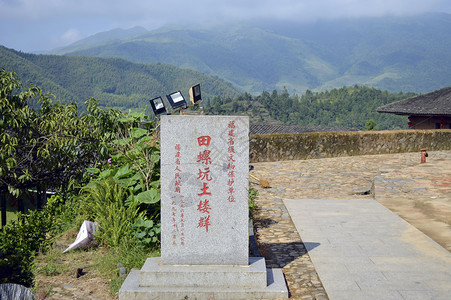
(298, 146)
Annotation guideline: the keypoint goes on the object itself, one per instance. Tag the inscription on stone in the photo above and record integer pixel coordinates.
(204, 190)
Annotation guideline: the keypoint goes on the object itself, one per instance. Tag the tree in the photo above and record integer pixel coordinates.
(49, 146)
(370, 125)
(53, 145)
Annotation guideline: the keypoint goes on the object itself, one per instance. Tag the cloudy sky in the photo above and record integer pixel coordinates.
(36, 25)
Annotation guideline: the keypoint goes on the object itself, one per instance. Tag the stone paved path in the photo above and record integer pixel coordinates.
(362, 250)
(346, 178)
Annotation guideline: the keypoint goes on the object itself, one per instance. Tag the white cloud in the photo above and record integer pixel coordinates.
(199, 10)
(21, 21)
(71, 36)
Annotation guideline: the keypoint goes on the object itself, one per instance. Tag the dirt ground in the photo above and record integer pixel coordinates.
(66, 286)
(72, 275)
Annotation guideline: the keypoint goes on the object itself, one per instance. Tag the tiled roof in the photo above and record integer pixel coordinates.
(436, 103)
(271, 128)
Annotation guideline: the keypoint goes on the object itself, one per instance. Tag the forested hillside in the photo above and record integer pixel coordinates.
(114, 81)
(392, 53)
(127, 85)
(350, 107)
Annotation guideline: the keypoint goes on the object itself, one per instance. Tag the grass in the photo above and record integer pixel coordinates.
(132, 258)
(253, 193)
(10, 216)
(54, 268)
(53, 262)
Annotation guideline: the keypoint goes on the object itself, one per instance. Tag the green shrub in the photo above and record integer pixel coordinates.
(20, 242)
(61, 214)
(253, 193)
(135, 169)
(35, 231)
(104, 203)
(147, 232)
(52, 146)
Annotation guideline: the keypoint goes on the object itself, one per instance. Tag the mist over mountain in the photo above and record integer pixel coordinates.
(392, 53)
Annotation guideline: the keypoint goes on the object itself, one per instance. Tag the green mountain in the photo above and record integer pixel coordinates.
(112, 81)
(393, 53)
(345, 107)
(127, 85)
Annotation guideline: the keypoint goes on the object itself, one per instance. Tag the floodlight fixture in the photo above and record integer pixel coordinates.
(195, 95)
(158, 106)
(176, 100)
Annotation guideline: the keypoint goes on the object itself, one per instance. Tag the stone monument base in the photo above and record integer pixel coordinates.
(158, 281)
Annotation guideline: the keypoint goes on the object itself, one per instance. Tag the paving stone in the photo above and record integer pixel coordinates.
(338, 179)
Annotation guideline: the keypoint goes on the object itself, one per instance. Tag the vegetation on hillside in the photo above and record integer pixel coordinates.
(350, 107)
(121, 84)
(393, 53)
(125, 85)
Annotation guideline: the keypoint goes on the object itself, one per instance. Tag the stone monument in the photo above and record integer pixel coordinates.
(204, 217)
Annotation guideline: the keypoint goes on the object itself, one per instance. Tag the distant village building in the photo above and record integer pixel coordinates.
(428, 111)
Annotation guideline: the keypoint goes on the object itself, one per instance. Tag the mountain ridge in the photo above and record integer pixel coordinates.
(393, 53)
(126, 85)
(112, 81)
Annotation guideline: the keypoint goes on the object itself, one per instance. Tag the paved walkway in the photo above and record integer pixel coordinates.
(362, 250)
(323, 246)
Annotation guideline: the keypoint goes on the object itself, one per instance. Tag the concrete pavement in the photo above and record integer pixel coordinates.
(362, 250)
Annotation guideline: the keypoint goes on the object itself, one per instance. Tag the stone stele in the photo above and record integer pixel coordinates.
(204, 217)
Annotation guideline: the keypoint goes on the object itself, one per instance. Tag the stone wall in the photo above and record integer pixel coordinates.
(275, 147)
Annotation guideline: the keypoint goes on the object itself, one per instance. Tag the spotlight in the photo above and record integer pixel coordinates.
(158, 106)
(176, 100)
(194, 94)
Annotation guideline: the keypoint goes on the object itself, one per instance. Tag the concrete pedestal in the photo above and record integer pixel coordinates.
(157, 281)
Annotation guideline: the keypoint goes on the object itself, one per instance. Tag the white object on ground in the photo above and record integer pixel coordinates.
(84, 237)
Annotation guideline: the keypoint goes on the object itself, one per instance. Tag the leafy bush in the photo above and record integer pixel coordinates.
(104, 203)
(35, 231)
(61, 214)
(135, 169)
(147, 232)
(20, 242)
(52, 146)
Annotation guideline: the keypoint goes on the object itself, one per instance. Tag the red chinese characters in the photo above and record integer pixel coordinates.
(204, 207)
(205, 176)
(204, 222)
(204, 140)
(231, 162)
(178, 215)
(204, 157)
(204, 190)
